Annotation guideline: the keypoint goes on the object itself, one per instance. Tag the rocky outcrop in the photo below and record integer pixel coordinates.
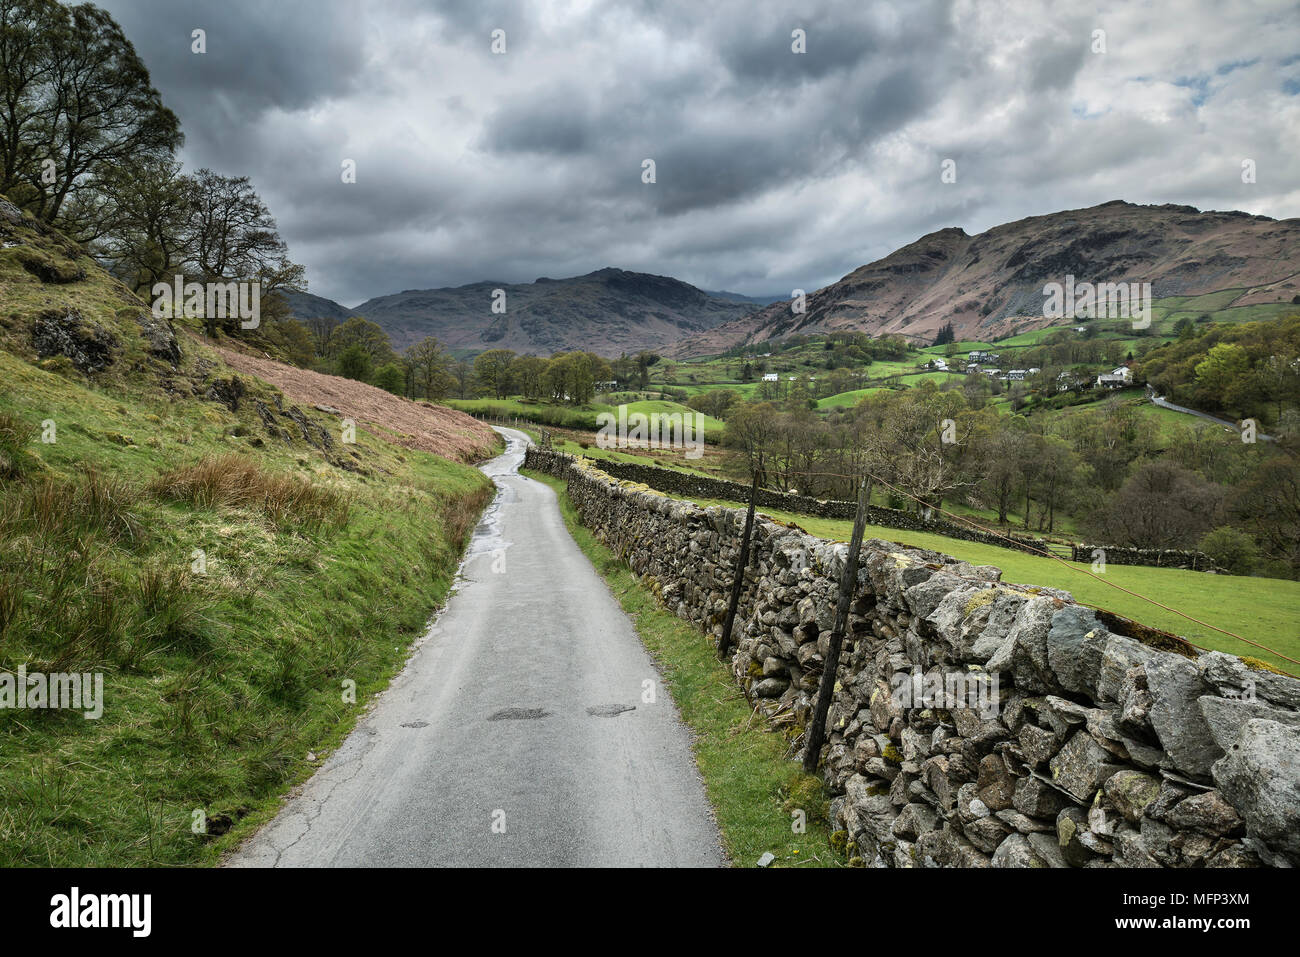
(159, 337)
(978, 723)
(64, 332)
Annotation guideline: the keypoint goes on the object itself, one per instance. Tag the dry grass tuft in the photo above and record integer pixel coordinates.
(233, 481)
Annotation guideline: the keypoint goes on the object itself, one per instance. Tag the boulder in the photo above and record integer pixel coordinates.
(1207, 812)
(1118, 656)
(1082, 766)
(1075, 644)
(1227, 716)
(1016, 851)
(63, 332)
(914, 820)
(1037, 798)
(1175, 685)
(1130, 792)
(1260, 777)
(1024, 653)
(1230, 677)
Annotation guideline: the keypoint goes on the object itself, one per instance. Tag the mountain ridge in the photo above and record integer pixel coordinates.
(608, 311)
(989, 284)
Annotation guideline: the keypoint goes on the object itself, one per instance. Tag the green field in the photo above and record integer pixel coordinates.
(846, 399)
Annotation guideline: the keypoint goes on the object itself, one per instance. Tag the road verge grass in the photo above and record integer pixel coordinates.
(756, 789)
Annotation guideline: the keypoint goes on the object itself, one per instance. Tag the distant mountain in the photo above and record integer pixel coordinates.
(991, 284)
(303, 305)
(737, 297)
(608, 312)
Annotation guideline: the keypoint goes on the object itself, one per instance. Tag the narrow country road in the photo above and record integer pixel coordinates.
(504, 742)
(1164, 404)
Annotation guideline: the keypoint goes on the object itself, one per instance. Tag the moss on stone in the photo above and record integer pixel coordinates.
(1151, 637)
(978, 601)
(1254, 664)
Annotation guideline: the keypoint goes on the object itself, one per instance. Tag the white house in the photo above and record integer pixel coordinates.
(1116, 378)
(1069, 380)
(771, 377)
(939, 364)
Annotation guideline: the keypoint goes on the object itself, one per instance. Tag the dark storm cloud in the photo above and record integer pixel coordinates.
(775, 170)
(286, 54)
(558, 123)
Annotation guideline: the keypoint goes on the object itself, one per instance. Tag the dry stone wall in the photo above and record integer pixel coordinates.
(698, 486)
(1092, 741)
(1153, 557)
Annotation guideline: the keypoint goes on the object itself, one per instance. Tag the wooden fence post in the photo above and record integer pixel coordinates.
(848, 584)
(724, 640)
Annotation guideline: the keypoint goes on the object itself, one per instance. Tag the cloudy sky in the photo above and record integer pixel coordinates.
(774, 169)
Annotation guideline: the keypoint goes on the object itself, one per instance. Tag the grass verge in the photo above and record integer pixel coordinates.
(755, 789)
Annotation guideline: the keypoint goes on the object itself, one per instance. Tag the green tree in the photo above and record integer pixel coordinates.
(366, 335)
(494, 369)
(391, 377)
(232, 236)
(714, 402)
(1231, 548)
(292, 340)
(141, 233)
(529, 374)
(430, 368)
(1222, 369)
(75, 102)
(354, 363)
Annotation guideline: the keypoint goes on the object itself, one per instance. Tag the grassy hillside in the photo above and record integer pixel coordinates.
(223, 558)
